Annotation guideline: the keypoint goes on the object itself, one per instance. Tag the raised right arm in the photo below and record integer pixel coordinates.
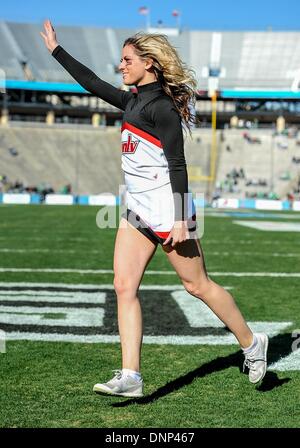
(82, 74)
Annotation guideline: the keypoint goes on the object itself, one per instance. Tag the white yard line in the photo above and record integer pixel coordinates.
(149, 272)
(81, 286)
(96, 252)
(271, 328)
(9, 295)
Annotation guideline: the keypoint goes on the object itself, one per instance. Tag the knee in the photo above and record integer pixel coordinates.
(124, 288)
(197, 289)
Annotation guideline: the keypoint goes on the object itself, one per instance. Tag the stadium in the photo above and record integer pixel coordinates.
(60, 165)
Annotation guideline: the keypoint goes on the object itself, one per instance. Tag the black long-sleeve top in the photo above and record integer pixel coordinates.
(150, 111)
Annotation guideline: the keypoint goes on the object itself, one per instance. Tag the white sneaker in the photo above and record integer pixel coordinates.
(123, 385)
(256, 360)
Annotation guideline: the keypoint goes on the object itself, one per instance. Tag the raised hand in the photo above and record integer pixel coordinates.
(49, 36)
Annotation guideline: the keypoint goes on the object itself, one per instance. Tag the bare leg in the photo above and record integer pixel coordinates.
(133, 252)
(187, 259)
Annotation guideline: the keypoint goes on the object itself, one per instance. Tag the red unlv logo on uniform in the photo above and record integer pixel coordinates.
(130, 146)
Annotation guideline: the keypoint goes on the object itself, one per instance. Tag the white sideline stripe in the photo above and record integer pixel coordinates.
(110, 271)
(271, 226)
(249, 241)
(253, 254)
(226, 254)
(27, 238)
(256, 274)
(256, 212)
(42, 251)
(216, 241)
(290, 362)
(161, 340)
(81, 286)
(63, 271)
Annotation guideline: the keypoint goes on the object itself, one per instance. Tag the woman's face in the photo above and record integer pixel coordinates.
(133, 68)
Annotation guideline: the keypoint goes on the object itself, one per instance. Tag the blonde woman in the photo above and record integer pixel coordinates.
(160, 210)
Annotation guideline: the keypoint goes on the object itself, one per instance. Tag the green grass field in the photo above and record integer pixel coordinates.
(48, 382)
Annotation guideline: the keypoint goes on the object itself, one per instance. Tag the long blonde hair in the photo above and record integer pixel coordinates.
(177, 80)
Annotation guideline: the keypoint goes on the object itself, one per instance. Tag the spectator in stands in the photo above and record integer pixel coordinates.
(13, 152)
(251, 139)
(282, 145)
(66, 189)
(153, 118)
(273, 195)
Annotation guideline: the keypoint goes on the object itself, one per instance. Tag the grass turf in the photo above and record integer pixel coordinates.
(45, 384)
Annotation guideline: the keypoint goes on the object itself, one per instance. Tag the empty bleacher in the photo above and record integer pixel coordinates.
(89, 158)
(251, 59)
(86, 158)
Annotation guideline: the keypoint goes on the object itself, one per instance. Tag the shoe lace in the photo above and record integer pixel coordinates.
(117, 374)
(250, 362)
(247, 363)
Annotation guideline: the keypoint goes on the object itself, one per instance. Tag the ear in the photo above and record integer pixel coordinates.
(149, 64)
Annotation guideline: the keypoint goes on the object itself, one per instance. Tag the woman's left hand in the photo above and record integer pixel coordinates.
(178, 234)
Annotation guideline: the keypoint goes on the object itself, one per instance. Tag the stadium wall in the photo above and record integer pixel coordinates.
(111, 200)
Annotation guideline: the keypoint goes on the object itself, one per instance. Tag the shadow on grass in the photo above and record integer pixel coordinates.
(279, 346)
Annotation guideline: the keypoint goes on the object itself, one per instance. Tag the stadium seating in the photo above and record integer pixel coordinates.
(269, 160)
(247, 59)
(90, 159)
(87, 159)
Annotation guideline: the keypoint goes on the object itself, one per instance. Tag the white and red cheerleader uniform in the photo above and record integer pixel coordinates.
(153, 158)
